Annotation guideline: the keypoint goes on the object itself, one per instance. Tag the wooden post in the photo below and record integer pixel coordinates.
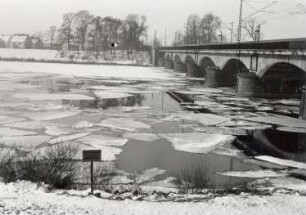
(91, 177)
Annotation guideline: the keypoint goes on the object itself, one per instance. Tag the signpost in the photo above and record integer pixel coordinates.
(91, 155)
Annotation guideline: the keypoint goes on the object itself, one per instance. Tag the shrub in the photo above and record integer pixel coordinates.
(192, 179)
(54, 167)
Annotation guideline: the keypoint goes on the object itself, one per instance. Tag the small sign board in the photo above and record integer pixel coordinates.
(92, 155)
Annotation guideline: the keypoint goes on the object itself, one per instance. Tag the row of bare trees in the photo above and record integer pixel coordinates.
(208, 29)
(85, 31)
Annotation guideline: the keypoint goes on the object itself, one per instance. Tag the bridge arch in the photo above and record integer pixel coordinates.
(282, 80)
(168, 62)
(192, 69)
(179, 65)
(230, 70)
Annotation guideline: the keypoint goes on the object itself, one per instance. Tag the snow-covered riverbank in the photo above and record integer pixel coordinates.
(25, 198)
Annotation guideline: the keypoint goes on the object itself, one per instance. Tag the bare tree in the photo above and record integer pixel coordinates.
(51, 33)
(209, 26)
(67, 28)
(82, 21)
(192, 29)
(252, 27)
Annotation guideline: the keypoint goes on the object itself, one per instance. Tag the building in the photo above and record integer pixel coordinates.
(5, 40)
(20, 41)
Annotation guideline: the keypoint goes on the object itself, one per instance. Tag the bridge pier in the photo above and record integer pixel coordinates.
(248, 85)
(303, 104)
(179, 67)
(168, 64)
(160, 62)
(212, 77)
(194, 71)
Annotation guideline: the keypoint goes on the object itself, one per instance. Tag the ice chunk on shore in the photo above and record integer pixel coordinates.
(51, 115)
(103, 140)
(283, 162)
(149, 175)
(67, 138)
(291, 129)
(51, 97)
(253, 174)
(196, 142)
(110, 94)
(124, 124)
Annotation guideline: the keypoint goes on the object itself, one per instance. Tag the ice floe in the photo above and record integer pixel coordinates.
(33, 125)
(67, 138)
(103, 140)
(253, 174)
(13, 132)
(148, 137)
(83, 124)
(49, 97)
(274, 119)
(8, 119)
(197, 142)
(202, 118)
(283, 162)
(125, 124)
(110, 95)
(292, 129)
(228, 152)
(53, 130)
(51, 115)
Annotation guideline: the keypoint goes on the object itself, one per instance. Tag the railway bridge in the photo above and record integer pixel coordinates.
(271, 68)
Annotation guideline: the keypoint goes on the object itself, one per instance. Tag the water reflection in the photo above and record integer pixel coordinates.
(138, 156)
(280, 144)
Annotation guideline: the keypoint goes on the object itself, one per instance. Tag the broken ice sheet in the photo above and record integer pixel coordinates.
(125, 124)
(197, 142)
(253, 174)
(67, 138)
(51, 115)
(148, 137)
(13, 132)
(292, 129)
(103, 140)
(24, 142)
(221, 130)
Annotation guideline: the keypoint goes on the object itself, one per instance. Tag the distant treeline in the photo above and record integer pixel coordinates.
(85, 31)
(198, 30)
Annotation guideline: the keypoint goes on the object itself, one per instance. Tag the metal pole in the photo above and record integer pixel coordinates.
(91, 177)
(165, 36)
(232, 31)
(240, 22)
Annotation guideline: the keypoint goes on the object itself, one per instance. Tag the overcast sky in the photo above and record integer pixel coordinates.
(30, 16)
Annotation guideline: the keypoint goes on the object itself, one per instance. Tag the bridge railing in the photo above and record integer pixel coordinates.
(284, 44)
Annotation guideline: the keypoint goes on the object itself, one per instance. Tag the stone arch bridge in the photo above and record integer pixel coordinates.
(267, 69)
